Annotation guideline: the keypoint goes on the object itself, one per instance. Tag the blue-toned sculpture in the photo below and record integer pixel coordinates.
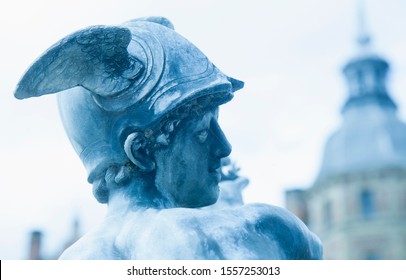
(140, 104)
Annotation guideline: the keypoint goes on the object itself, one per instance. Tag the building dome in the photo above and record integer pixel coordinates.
(371, 136)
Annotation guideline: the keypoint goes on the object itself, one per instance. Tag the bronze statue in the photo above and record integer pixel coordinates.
(140, 106)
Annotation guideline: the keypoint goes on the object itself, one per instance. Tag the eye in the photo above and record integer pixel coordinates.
(202, 135)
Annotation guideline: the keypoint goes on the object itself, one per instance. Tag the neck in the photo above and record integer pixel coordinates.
(139, 193)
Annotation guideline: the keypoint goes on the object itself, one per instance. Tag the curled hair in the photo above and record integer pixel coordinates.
(114, 176)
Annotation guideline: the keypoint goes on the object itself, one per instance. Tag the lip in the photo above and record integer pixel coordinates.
(215, 167)
(216, 174)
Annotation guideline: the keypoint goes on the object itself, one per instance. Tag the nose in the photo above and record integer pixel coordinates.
(220, 146)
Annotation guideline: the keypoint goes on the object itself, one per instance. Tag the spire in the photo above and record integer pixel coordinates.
(363, 37)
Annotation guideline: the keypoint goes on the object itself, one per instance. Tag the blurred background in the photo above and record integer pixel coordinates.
(291, 56)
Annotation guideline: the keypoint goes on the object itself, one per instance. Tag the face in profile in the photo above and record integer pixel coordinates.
(188, 169)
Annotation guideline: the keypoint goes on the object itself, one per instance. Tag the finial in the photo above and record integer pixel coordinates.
(363, 38)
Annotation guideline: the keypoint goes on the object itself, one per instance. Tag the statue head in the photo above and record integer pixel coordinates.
(138, 102)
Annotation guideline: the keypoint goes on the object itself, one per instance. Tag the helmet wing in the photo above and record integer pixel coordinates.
(95, 58)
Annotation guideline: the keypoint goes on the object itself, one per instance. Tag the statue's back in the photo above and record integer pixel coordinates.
(252, 231)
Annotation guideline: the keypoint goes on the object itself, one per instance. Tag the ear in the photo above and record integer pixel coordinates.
(136, 151)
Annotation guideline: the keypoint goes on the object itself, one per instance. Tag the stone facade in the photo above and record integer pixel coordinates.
(360, 215)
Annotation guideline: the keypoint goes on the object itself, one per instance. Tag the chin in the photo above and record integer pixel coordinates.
(213, 197)
(209, 198)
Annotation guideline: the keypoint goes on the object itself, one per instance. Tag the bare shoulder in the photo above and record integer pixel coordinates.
(261, 231)
(276, 223)
(95, 245)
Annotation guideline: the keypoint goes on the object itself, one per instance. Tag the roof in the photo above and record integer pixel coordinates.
(371, 135)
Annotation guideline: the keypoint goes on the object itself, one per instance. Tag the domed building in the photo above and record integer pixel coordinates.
(357, 204)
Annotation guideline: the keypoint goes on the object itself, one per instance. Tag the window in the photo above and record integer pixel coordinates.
(327, 215)
(367, 201)
(372, 256)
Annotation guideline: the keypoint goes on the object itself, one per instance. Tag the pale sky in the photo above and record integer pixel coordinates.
(289, 53)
